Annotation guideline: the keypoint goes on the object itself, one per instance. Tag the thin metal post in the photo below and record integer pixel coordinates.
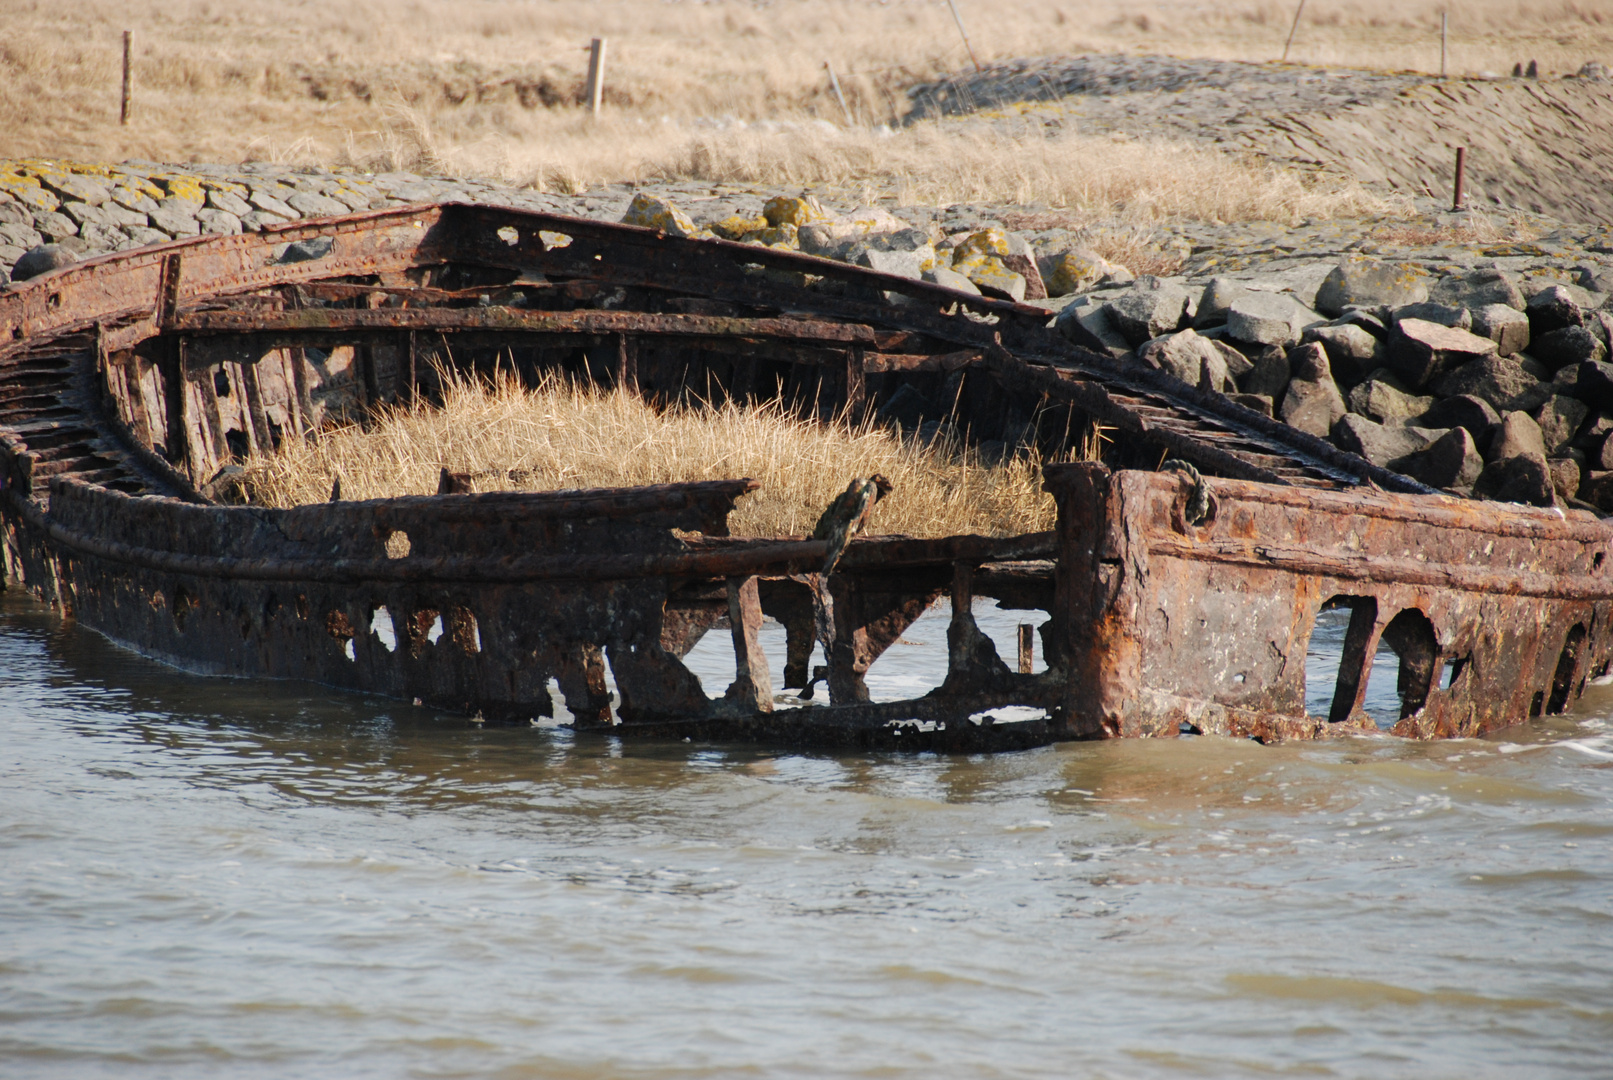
(123, 112)
(964, 34)
(834, 83)
(1461, 177)
(1444, 37)
(1292, 30)
(596, 75)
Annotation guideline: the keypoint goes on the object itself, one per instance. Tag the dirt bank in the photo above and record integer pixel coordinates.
(1533, 144)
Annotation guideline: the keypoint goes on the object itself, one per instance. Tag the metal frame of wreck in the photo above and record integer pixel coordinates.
(127, 381)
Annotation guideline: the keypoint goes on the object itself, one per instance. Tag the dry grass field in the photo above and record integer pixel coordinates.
(565, 436)
(491, 86)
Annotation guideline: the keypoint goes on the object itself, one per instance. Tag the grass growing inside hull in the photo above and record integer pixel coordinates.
(562, 435)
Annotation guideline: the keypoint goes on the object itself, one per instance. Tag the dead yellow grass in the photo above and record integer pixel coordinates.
(491, 87)
(563, 436)
(1102, 177)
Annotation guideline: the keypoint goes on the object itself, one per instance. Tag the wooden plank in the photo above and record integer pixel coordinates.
(313, 320)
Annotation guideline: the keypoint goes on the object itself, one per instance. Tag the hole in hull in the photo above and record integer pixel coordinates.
(1335, 656)
(1566, 675)
(381, 627)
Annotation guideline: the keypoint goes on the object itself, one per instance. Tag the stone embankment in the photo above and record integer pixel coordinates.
(1533, 144)
(1476, 362)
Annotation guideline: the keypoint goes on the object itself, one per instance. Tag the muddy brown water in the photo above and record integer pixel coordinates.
(205, 878)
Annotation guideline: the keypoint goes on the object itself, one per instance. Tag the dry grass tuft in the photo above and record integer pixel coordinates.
(562, 435)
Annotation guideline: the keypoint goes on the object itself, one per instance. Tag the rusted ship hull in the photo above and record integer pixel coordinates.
(126, 383)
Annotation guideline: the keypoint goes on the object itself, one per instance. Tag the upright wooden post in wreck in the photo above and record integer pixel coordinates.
(173, 364)
(1081, 583)
(626, 373)
(856, 388)
(752, 688)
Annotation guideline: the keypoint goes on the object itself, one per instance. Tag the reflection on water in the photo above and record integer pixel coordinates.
(209, 877)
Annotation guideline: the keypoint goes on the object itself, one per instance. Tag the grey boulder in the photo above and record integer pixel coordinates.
(228, 202)
(1560, 419)
(315, 205)
(951, 279)
(1503, 324)
(900, 263)
(1592, 383)
(1477, 288)
(1216, 300)
(1263, 318)
(1420, 351)
(1443, 314)
(1475, 414)
(1188, 357)
(1554, 308)
(1565, 477)
(55, 227)
(1569, 345)
(1499, 380)
(1451, 461)
(1383, 399)
(176, 217)
(42, 260)
(1148, 309)
(1381, 444)
(1352, 350)
(1359, 281)
(1517, 471)
(1312, 402)
(1089, 327)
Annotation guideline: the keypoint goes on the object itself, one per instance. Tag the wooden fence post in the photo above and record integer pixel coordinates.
(964, 34)
(596, 75)
(834, 84)
(1292, 30)
(123, 112)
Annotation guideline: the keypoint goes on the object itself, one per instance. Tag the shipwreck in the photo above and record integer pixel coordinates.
(128, 382)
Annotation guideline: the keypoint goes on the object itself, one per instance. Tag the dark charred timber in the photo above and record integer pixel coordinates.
(128, 382)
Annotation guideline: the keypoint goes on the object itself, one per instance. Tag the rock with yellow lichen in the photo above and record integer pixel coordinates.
(739, 227)
(1359, 281)
(869, 229)
(654, 212)
(186, 188)
(1078, 270)
(28, 191)
(782, 236)
(987, 241)
(993, 278)
(980, 259)
(78, 188)
(797, 211)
